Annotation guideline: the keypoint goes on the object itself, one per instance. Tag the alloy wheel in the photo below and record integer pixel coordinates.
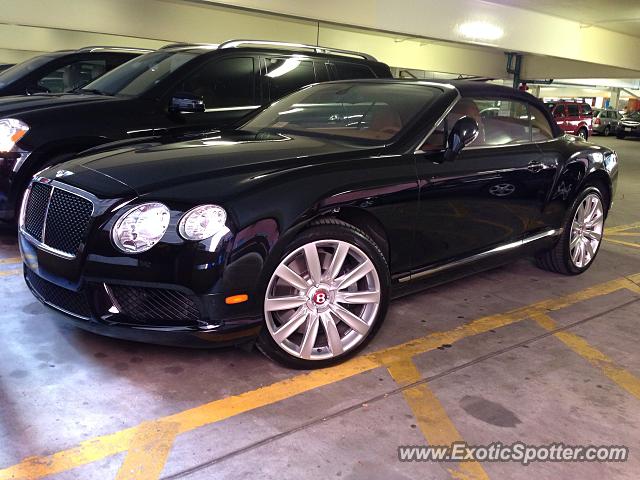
(322, 300)
(586, 230)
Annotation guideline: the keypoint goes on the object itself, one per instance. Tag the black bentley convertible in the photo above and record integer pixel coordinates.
(297, 228)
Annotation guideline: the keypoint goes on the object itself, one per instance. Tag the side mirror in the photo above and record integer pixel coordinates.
(183, 102)
(464, 132)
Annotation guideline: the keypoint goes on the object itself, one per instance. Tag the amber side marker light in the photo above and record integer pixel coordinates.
(235, 299)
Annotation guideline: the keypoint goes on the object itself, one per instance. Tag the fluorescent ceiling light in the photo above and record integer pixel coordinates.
(480, 31)
(288, 65)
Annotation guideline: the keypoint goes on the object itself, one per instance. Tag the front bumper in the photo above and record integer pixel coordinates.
(10, 182)
(88, 309)
(628, 131)
(172, 294)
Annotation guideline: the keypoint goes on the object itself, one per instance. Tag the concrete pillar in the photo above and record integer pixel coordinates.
(615, 98)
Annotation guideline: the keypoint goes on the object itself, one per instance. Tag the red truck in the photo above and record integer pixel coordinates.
(575, 118)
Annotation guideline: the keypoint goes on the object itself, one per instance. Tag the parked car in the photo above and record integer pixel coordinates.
(299, 227)
(63, 71)
(181, 86)
(629, 126)
(605, 121)
(573, 117)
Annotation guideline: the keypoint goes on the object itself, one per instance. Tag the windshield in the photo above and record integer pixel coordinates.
(351, 110)
(633, 116)
(18, 71)
(139, 75)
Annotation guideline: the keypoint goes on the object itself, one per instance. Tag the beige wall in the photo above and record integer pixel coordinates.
(524, 31)
(31, 26)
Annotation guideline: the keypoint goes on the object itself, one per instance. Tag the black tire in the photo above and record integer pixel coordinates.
(607, 131)
(584, 133)
(333, 229)
(558, 258)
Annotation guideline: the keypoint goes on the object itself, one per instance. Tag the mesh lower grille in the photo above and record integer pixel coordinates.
(67, 300)
(155, 306)
(37, 209)
(67, 221)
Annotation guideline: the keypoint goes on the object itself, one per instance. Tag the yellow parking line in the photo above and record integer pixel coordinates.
(7, 273)
(149, 451)
(625, 234)
(622, 242)
(620, 228)
(104, 446)
(432, 418)
(4, 261)
(594, 356)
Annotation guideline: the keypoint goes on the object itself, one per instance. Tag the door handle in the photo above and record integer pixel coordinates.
(536, 167)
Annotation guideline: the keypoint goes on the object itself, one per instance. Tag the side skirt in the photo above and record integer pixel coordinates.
(481, 261)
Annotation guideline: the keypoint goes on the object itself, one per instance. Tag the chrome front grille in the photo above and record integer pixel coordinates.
(56, 219)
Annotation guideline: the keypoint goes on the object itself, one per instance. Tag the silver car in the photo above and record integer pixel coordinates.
(605, 122)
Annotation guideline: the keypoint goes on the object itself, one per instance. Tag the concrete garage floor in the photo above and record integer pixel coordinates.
(514, 354)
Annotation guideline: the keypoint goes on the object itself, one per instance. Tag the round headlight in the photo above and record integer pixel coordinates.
(141, 227)
(202, 222)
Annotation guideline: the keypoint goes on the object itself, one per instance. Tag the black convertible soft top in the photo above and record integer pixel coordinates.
(468, 88)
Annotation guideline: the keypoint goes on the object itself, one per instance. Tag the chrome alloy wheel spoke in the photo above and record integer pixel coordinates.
(322, 299)
(586, 231)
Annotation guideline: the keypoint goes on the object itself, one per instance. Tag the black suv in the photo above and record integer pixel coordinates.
(177, 88)
(63, 71)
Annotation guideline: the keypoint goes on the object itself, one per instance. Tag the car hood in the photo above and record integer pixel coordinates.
(152, 165)
(25, 103)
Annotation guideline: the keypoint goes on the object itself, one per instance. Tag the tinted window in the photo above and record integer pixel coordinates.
(572, 110)
(370, 113)
(559, 111)
(322, 71)
(540, 128)
(349, 71)
(503, 122)
(585, 109)
(140, 74)
(72, 76)
(284, 75)
(224, 83)
(20, 70)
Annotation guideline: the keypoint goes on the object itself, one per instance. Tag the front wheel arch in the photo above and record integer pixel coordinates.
(600, 180)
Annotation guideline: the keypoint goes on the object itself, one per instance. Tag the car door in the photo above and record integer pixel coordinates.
(491, 194)
(613, 119)
(572, 119)
(229, 87)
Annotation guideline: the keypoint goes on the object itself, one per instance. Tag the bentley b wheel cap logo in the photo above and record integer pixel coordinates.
(320, 297)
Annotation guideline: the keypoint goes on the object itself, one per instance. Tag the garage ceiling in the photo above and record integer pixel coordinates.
(621, 16)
